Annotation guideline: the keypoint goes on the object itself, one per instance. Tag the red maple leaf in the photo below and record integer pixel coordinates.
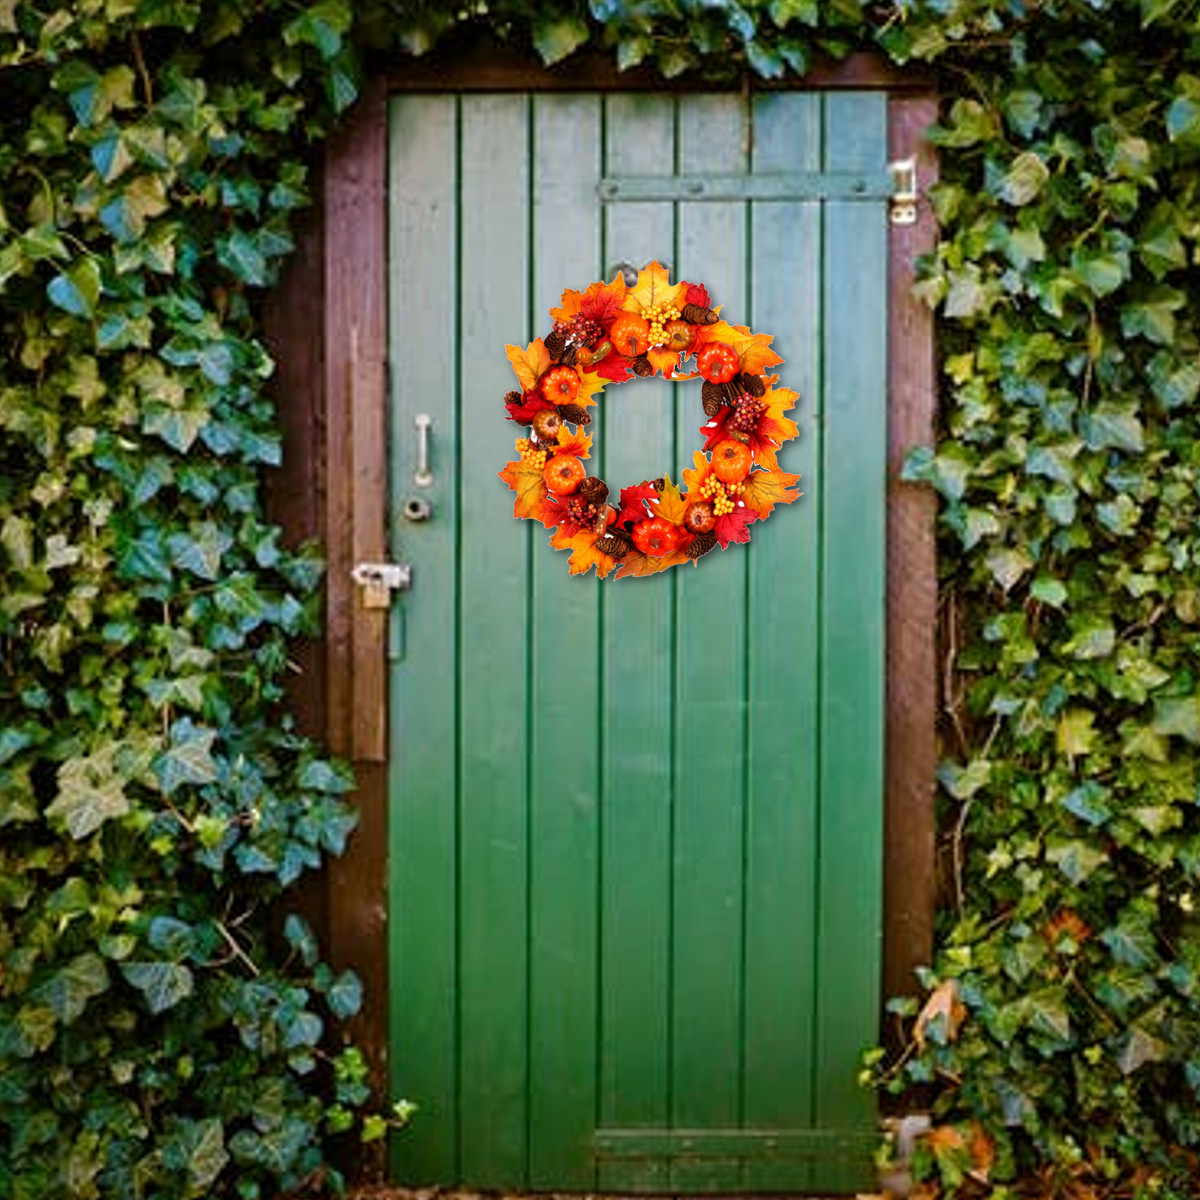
(633, 507)
(714, 430)
(732, 526)
(533, 402)
(615, 367)
(603, 306)
(697, 293)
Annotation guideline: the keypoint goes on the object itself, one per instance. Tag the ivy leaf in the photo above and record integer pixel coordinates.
(1076, 732)
(1178, 716)
(1153, 318)
(1024, 179)
(240, 254)
(162, 984)
(1113, 425)
(77, 291)
(188, 759)
(91, 790)
(1075, 858)
(67, 992)
(322, 26)
(555, 37)
(345, 995)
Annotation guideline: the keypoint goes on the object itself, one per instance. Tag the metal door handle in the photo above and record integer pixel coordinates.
(423, 476)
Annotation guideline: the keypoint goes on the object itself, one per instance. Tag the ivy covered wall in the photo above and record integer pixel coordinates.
(166, 1027)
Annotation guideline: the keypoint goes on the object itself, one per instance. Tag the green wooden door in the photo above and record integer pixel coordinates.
(635, 827)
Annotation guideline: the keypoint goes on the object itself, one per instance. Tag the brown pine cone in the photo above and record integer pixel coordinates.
(702, 543)
(614, 546)
(594, 490)
(575, 413)
(712, 397)
(556, 343)
(750, 383)
(512, 398)
(569, 356)
(642, 367)
(658, 484)
(698, 314)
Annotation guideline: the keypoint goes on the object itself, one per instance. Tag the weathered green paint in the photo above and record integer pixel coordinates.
(635, 848)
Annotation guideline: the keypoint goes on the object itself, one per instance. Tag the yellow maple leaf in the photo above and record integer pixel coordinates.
(671, 505)
(764, 489)
(530, 364)
(693, 478)
(599, 298)
(584, 554)
(654, 287)
(589, 384)
(533, 496)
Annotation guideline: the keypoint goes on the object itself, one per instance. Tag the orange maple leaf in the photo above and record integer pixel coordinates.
(531, 364)
(773, 427)
(637, 564)
(577, 443)
(654, 287)
(584, 554)
(533, 496)
(664, 360)
(764, 489)
(670, 505)
(598, 301)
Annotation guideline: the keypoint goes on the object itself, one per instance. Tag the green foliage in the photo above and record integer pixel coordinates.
(159, 1033)
(157, 1037)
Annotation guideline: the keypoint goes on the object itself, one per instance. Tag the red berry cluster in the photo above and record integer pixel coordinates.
(746, 411)
(582, 513)
(581, 330)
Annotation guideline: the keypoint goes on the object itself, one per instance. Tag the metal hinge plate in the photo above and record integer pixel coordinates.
(379, 580)
(902, 208)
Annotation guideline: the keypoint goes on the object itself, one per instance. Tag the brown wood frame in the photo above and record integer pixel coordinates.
(327, 329)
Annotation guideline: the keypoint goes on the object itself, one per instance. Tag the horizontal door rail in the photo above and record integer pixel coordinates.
(758, 1144)
(791, 185)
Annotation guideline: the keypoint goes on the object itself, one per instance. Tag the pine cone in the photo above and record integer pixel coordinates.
(750, 383)
(642, 367)
(575, 413)
(712, 397)
(698, 314)
(658, 484)
(594, 490)
(702, 543)
(615, 546)
(512, 398)
(569, 356)
(556, 343)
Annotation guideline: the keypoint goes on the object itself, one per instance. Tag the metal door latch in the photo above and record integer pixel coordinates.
(903, 206)
(379, 580)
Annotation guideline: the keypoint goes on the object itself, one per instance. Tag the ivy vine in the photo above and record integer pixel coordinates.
(167, 1025)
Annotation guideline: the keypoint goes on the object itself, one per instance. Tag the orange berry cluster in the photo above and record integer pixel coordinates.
(534, 457)
(658, 315)
(716, 491)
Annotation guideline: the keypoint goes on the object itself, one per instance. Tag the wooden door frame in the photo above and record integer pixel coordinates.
(326, 328)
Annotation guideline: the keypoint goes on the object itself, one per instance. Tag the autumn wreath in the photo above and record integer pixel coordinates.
(604, 335)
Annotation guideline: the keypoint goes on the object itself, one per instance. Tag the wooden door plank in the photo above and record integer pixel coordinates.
(709, 702)
(784, 625)
(852, 655)
(638, 648)
(495, 616)
(423, 849)
(564, 798)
